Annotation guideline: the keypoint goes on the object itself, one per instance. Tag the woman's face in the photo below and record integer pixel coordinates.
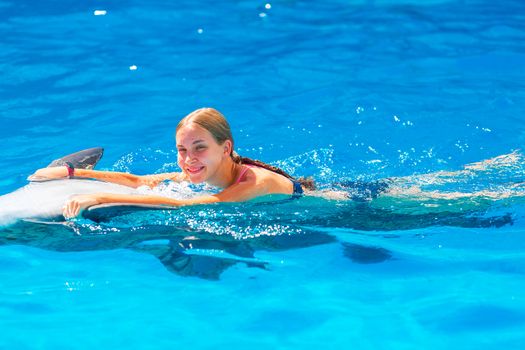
(199, 155)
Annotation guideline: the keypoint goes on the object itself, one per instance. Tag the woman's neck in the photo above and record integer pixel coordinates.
(226, 174)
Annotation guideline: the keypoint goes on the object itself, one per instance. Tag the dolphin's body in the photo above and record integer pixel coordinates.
(193, 250)
(45, 200)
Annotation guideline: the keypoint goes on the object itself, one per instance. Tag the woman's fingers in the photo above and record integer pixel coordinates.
(76, 209)
(37, 178)
(76, 204)
(49, 173)
(66, 210)
(71, 209)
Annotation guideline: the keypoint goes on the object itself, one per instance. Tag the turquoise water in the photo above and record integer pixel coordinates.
(355, 90)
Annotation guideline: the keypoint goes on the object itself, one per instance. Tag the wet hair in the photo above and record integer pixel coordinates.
(216, 124)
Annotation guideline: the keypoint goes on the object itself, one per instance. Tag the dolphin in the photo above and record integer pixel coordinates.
(32, 215)
(198, 241)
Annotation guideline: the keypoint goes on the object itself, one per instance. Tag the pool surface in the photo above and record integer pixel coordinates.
(354, 91)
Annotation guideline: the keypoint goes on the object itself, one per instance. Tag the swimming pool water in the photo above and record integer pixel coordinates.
(355, 90)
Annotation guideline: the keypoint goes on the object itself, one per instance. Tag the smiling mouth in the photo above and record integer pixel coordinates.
(194, 170)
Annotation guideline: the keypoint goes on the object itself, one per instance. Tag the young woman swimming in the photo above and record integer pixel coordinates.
(205, 154)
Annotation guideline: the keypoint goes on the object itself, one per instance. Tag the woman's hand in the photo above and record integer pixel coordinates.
(77, 203)
(45, 174)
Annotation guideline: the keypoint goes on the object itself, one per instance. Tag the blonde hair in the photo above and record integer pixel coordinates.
(216, 124)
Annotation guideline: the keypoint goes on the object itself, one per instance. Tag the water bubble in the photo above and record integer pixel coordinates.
(268, 6)
(133, 67)
(262, 14)
(200, 30)
(100, 12)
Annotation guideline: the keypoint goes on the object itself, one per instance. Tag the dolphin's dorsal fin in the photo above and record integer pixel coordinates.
(86, 159)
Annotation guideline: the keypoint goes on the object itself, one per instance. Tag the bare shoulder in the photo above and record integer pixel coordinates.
(268, 181)
(252, 185)
(260, 177)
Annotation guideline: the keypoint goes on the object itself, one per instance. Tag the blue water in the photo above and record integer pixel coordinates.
(357, 90)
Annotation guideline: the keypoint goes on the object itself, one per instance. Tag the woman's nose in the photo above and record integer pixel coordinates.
(190, 156)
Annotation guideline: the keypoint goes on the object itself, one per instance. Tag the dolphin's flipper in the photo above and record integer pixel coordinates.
(188, 256)
(86, 159)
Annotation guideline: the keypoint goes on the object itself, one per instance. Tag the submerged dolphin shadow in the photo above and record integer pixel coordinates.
(182, 251)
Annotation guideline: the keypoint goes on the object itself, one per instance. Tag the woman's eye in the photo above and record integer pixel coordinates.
(200, 148)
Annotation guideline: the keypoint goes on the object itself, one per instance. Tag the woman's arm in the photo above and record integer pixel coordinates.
(236, 193)
(120, 178)
(154, 180)
(78, 203)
